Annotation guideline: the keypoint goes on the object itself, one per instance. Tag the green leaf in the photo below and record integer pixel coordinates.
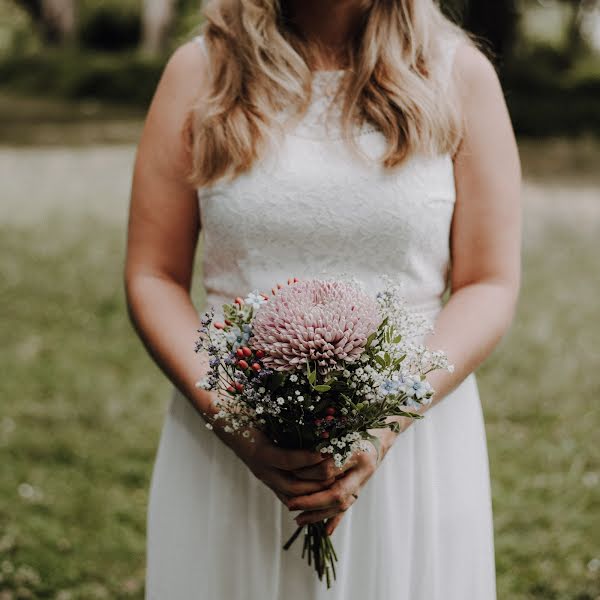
(311, 375)
(321, 388)
(380, 361)
(370, 339)
(395, 426)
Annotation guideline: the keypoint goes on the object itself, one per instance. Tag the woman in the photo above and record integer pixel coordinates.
(363, 137)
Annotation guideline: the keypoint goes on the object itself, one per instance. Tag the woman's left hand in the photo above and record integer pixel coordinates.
(332, 503)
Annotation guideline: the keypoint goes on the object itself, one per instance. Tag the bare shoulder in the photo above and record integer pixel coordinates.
(163, 143)
(474, 74)
(185, 71)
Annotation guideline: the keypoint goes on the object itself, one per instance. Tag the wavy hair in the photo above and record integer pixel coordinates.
(259, 64)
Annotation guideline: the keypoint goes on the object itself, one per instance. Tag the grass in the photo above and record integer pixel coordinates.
(82, 407)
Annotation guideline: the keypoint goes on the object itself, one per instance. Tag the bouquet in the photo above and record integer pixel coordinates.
(318, 365)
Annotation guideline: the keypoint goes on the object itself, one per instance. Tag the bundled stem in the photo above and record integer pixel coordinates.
(318, 549)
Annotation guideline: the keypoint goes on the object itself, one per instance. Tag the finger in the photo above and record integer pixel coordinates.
(334, 497)
(333, 522)
(288, 485)
(334, 515)
(316, 516)
(289, 460)
(325, 470)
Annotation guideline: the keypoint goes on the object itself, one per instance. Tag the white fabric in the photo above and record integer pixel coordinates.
(422, 527)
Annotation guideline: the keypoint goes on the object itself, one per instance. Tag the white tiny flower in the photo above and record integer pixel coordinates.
(254, 299)
(209, 426)
(293, 377)
(280, 400)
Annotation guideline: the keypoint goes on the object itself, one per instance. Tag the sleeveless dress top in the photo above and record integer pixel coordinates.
(421, 528)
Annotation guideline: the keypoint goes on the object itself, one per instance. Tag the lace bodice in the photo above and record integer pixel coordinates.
(311, 207)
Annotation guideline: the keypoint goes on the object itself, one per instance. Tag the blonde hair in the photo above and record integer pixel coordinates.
(259, 65)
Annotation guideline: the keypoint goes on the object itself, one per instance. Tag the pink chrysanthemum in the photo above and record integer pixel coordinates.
(327, 322)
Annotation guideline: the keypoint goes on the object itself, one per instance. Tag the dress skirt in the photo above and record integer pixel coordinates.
(421, 528)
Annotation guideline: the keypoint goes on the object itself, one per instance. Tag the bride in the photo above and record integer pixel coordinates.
(361, 137)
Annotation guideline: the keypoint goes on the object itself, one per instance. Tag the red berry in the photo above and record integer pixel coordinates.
(274, 290)
(296, 280)
(259, 354)
(318, 422)
(329, 418)
(265, 296)
(230, 389)
(330, 411)
(239, 301)
(242, 364)
(256, 367)
(239, 353)
(219, 325)
(227, 322)
(325, 434)
(247, 352)
(239, 387)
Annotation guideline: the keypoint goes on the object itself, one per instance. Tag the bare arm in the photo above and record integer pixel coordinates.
(486, 229)
(163, 230)
(164, 223)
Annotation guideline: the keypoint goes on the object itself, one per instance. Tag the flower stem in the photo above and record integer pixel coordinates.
(318, 550)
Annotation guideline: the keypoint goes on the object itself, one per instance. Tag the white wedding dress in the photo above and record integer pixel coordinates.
(421, 528)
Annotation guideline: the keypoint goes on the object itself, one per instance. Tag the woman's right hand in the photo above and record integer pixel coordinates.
(274, 466)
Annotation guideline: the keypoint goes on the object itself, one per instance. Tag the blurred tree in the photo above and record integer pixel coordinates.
(157, 19)
(56, 19)
(110, 25)
(493, 21)
(576, 42)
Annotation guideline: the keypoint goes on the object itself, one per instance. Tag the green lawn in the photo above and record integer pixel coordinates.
(82, 407)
